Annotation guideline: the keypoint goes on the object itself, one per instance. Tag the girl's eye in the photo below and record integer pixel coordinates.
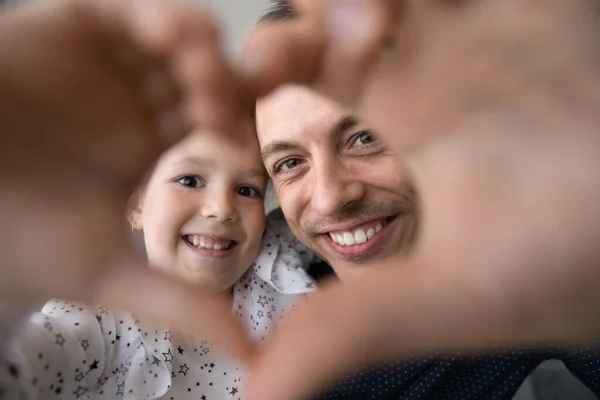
(190, 181)
(364, 138)
(248, 191)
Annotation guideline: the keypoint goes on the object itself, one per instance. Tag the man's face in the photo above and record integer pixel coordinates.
(527, 68)
(341, 188)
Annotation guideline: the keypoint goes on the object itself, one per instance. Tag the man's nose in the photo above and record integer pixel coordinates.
(335, 188)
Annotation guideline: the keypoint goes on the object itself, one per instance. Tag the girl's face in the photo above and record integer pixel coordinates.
(202, 210)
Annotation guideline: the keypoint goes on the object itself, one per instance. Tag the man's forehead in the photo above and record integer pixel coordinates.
(293, 110)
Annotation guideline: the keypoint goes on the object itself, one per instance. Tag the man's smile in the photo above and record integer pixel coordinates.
(360, 240)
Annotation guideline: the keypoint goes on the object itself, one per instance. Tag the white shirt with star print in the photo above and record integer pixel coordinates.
(70, 351)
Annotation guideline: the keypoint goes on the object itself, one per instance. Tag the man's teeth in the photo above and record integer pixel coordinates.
(359, 236)
(204, 242)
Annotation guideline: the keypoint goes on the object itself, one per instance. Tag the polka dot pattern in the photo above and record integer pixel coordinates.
(495, 376)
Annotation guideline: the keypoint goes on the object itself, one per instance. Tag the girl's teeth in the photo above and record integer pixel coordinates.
(370, 233)
(378, 227)
(208, 243)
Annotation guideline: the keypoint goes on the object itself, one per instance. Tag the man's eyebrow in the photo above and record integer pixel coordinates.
(276, 146)
(343, 125)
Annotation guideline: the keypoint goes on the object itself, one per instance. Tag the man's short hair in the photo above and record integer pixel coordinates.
(280, 10)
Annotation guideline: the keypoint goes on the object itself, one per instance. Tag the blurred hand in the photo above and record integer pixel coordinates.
(493, 104)
(92, 93)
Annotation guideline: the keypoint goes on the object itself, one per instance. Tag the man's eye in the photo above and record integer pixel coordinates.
(364, 138)
(190, 181)
(287, 165)
(248, 191)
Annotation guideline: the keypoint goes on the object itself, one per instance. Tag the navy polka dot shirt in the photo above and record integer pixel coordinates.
(495, 376)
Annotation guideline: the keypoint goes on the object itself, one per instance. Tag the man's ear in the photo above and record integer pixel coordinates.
(134, 210)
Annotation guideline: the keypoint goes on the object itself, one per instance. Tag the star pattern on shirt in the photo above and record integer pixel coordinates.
(79, 377)
(59, 339)
(80, 391)
(183, 369)
(262, 300)
(120, 389)
(168, 356)
(138, 350)
(93, 365)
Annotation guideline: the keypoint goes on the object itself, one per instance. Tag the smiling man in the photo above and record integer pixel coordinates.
(346, 193)
(340, 187)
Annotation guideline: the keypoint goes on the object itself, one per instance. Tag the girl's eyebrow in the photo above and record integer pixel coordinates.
(194, 160)
(211, 164)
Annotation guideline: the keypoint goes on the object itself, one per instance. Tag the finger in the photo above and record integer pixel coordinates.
(190, 41)
(391, 314)
(210, 88)
(356, 32)
(279, 52)
(163, 97)
(157, 87)
(157, 26)
(331, 48)
(171, 32)
(130, 285)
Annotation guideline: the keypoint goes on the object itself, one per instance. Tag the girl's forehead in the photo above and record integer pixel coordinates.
(216, 152)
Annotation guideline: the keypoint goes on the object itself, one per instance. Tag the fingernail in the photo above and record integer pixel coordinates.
(348, 22)
(152, 24)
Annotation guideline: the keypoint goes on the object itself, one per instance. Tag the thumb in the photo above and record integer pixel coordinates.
(131, 285)
(393, 313)
(355, 32)
(331, 48)
(280, 52)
